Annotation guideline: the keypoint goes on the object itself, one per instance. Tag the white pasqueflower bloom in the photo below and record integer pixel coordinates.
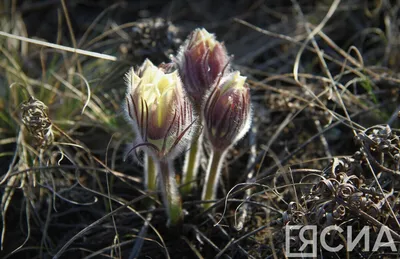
(159, 110)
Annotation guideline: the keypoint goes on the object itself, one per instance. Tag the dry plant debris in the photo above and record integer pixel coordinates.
(323, 147)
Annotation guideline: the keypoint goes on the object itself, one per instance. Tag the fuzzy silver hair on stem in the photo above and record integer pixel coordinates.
(226, 115)
(200, 61)
(163, 120)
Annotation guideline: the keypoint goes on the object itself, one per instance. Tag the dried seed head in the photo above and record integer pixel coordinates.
(227, 111)
(35, 119)
(154, 38)
(200, 60)
(157, 106)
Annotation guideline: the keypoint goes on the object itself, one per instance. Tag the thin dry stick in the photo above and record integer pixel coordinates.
(83, 231)
(321, 58)
(250, 168)
(385, 197)
(116, 173)
(109, 199)
(325, 55)
(94, 23)
(322, 138)
(371, 219)
(341, 118)
(71, 32)
(265, 175)
(123, 203)
(192, 247)
(59, 47)
(111, 31)
(294, 41)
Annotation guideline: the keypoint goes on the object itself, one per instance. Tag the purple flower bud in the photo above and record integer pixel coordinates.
(227, 111)
(200, 60)
(157, 106)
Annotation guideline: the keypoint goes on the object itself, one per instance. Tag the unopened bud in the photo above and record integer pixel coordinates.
(227, 111)
(201, 59)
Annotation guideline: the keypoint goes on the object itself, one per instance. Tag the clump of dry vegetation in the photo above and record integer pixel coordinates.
(323, 147)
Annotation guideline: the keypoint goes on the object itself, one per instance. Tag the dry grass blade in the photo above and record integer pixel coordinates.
(324, 150)
(59, 47)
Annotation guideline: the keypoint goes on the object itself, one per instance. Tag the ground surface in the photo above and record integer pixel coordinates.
(323, 148)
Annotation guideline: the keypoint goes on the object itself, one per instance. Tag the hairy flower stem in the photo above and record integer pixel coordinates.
(170, 193)
(192, 163)
(150, 176)
(212, 176)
